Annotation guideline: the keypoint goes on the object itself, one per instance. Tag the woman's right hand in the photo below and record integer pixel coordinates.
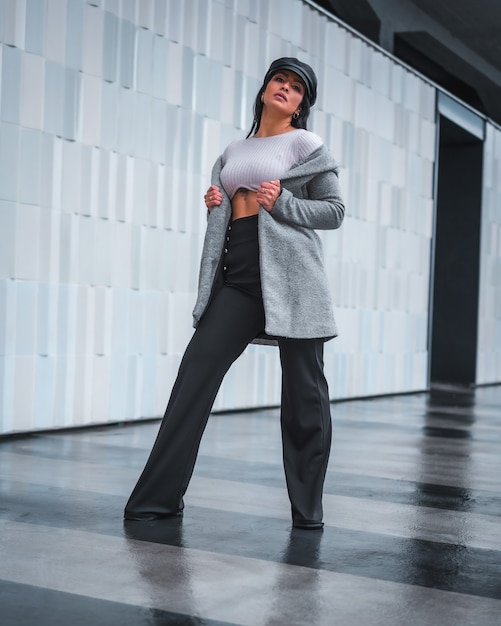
(213, 197)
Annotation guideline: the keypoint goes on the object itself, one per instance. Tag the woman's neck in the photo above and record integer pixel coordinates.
(271, 125)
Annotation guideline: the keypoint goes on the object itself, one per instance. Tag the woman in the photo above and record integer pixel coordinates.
(261, 280)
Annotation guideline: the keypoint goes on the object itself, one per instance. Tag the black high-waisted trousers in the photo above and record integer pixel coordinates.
(234, 317)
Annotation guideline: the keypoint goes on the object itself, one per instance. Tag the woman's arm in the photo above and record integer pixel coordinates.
(323, 209)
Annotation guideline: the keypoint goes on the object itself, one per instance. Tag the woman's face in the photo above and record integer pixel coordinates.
(284, 92)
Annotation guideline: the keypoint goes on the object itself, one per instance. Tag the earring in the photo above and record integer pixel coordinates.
(262, 97)
(295, 115)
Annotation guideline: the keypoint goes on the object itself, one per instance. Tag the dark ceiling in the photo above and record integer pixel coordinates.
(456, 43)
(476, 24)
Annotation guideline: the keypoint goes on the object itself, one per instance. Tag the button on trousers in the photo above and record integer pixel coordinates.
(233, 319)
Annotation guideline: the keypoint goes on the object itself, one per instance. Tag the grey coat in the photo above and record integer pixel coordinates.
(296, 297)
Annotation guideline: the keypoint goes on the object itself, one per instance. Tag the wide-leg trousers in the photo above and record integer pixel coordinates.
(233, 319)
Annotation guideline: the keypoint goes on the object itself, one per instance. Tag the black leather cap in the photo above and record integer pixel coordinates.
(303, 70)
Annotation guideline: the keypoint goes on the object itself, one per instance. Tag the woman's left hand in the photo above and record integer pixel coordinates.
(268, 193)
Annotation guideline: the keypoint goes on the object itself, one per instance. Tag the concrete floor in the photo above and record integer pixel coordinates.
(412, 524)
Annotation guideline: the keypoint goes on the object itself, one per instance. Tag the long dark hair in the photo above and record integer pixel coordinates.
(299, 122)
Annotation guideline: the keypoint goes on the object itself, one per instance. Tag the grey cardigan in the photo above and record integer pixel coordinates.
(296, 297)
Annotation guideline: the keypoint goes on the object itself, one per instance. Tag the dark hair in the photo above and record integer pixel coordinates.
(299, 122)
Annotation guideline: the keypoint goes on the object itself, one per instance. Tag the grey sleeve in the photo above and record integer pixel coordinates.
(323, 209)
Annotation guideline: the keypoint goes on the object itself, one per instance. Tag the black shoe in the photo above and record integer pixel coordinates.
(308, 525)
(150, 517)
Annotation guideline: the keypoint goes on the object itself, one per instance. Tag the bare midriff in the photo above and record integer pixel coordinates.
(244, 204)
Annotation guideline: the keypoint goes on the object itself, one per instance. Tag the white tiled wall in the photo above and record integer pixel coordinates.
(379, 120)
(489, 326)
(111, 114)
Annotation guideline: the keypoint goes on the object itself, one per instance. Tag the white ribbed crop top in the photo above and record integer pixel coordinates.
(249, 162)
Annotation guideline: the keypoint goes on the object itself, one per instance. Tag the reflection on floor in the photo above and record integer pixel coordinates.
(412, 524)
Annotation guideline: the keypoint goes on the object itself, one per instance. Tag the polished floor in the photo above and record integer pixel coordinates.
(412, 524)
